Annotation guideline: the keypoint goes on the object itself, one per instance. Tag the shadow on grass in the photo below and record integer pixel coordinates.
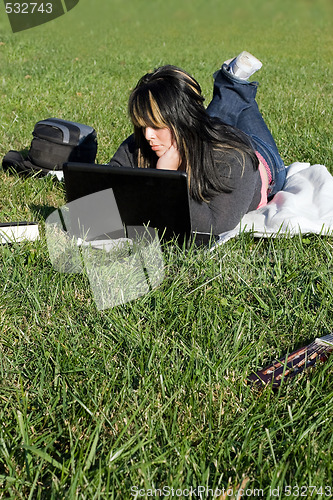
(42, 211)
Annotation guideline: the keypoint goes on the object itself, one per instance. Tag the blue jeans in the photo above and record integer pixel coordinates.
(234, 103)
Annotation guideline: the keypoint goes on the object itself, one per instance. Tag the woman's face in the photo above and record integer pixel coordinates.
(159, 139)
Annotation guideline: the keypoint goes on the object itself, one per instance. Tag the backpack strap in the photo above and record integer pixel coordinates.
(84, 130)
(64, 129)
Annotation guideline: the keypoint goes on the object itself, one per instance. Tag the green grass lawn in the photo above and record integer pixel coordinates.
(153, 394)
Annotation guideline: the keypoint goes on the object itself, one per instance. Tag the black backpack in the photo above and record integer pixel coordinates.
(54, 143)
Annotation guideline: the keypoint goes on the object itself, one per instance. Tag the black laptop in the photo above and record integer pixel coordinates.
(144, 197)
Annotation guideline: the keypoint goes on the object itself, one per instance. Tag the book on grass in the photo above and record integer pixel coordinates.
(11, 232)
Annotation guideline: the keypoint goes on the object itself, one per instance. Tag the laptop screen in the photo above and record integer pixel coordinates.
(144, 197)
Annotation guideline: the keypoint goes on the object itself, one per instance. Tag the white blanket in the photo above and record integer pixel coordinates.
(305, 205)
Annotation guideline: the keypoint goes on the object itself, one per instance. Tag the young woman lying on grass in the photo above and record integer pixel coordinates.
(230, 157)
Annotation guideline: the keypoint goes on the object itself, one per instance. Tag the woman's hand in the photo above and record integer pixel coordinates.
(170, 160)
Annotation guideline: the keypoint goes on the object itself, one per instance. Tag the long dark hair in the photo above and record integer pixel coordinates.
(170, 97)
